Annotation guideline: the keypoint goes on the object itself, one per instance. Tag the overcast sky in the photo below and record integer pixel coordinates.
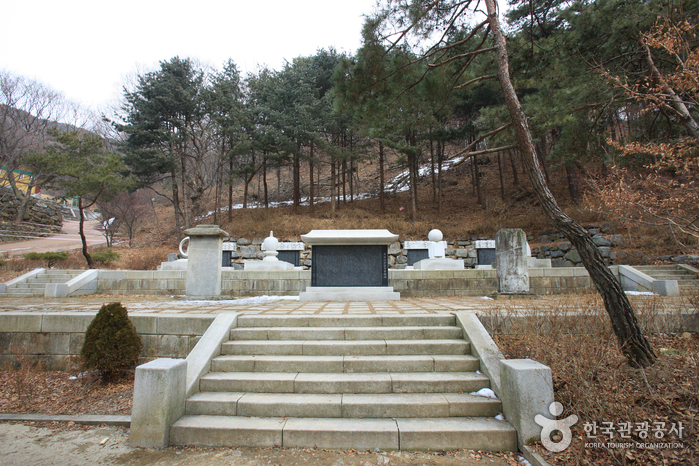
(87, 49)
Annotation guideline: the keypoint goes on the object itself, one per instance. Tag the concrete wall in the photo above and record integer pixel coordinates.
(55, 340)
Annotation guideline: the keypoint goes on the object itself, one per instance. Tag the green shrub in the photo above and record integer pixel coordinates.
(112, 344)
(49, 257)
(105, 256)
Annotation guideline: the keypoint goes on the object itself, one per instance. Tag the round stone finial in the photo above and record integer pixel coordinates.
(270, 246)
(435, 235)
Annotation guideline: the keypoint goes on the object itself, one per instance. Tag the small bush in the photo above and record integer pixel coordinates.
(105, 257)
(50, 258)
(112, 344)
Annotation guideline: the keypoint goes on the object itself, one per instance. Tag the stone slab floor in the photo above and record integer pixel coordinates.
(278, 305)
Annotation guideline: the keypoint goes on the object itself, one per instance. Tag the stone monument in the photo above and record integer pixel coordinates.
(485, 252)
(511, 263)
(416, 251)
(204, 260)
(437, 261)
(270, 261)
(349, 265)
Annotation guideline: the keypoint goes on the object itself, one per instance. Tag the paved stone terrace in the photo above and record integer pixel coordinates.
(286, 306)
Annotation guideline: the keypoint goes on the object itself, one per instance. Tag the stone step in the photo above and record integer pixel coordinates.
(300, 363)
(347, 333)
(345, 347)
(433, 434)
(45, 280)
(374, 320)
(368, 382)
(27, 292)
(381, 405)
(27, 286)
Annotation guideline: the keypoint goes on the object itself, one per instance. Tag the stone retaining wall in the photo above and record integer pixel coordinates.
(551, 245)
(41, 216)
(410, 283)
(54, 340)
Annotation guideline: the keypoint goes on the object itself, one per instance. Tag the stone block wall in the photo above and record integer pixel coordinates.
(54, 340)
(42, 217)
(483, 282)
(260, 283)
(142, 282)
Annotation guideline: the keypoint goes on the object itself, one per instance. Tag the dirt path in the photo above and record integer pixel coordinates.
(67, 240)
(76, 446)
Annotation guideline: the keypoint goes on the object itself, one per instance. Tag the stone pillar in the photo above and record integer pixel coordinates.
(526, 391)
(159, 397)
(204, 260)
(512, 268)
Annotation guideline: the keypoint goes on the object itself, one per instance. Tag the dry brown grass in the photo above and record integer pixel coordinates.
(592, 379)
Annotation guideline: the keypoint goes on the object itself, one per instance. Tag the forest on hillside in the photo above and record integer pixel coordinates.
(609, 89)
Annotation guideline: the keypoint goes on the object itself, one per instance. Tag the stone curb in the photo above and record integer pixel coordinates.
(85, 419)
(533, 457)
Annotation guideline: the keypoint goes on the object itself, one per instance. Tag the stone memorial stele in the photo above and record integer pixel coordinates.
(204, 257)
(485, 252)
(416, 251)
(349, 265)
(511, 264)
(291, 252)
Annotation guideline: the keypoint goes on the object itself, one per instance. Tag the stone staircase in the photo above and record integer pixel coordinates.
(362, 382)
(686, 278)
(36, 286)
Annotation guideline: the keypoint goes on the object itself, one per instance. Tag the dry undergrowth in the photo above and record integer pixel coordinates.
(24, 388)
(593, 381)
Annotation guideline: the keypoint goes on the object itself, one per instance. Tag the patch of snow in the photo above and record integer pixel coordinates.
(486, 392)
(500, 417)
(479, 372)
(524, 462)
(487, 298)
(640, 293)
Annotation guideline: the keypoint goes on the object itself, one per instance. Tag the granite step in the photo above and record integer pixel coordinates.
(300, 363)
(373, 320)
(345, 347)
(368, 382)
(342, 434)
(349, 405)
(347, 333)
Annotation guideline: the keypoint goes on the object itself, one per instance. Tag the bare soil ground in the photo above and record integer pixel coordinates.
(43, 444)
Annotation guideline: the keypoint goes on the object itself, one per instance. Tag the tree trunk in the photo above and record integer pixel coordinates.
(440, 159)
(351, 179)
(264, 180)
(477, 180)
(633, 344)
(502, 183)
(176, 205)
(573, 185)
(332, 186)
(217, 194)
(515, 176)
(297, 182)
(311, 193)
(344, 181)
(81, 230)
(230, 190)
(413, 190)
(382, 202)
(432, 173)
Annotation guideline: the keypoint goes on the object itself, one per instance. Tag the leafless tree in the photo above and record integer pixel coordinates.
(27, 110)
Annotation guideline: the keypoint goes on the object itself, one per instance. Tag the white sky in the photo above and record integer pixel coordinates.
(87, 49)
